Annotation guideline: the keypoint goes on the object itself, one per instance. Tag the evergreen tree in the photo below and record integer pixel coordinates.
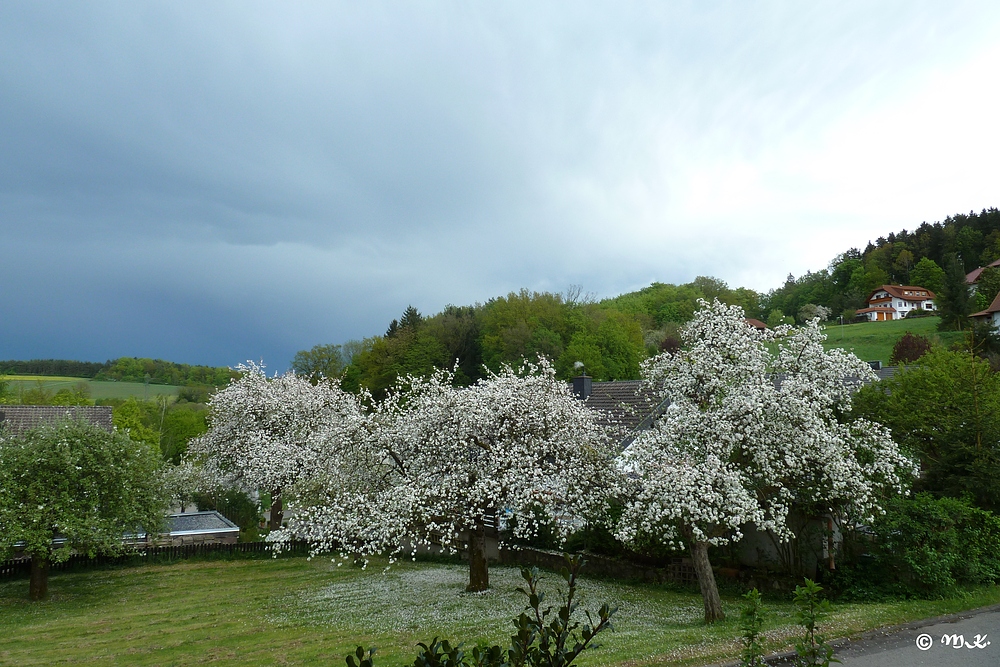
(954, 302)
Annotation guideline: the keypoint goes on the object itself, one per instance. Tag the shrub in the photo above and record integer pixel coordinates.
(812, 649)
(909, 348)
(924, 547)
(752, 623)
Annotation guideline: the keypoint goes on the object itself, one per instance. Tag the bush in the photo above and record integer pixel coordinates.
(925, 547)
(919, 312)
(909, 348)
(752, 627)
(812, 650)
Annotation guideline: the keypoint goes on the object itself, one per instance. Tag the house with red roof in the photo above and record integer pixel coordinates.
(893, 302)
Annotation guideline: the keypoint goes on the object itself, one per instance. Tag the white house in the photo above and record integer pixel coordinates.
(893, 302)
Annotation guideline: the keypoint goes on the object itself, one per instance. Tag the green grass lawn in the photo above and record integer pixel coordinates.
(98, 388)
(873, 341)
(299, 612)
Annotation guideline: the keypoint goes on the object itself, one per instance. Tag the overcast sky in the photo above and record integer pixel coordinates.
(212, 183)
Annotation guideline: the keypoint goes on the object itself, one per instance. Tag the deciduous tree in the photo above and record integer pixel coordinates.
(749, 434)
(79, 484)
(270, 433)
(448, 459)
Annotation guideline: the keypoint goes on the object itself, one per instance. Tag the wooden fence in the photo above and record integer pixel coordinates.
(21, 567)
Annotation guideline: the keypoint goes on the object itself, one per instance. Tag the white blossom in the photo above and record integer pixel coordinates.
(752, 431)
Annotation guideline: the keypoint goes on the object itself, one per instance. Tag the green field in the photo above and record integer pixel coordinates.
(296, 611)
(98, 388)
(873, 341)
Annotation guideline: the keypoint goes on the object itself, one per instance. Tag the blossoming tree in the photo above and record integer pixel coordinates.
(271, 433)
(750, 433)
(443, 460)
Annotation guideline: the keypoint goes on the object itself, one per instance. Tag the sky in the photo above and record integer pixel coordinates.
(212, 183)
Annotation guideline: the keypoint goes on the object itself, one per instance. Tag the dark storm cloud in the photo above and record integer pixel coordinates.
(217, 182)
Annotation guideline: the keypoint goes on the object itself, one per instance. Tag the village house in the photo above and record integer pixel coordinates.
(893, 302)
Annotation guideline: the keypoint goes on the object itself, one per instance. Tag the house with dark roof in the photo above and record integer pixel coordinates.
(627, 405)
(893, 302)
(16, 419)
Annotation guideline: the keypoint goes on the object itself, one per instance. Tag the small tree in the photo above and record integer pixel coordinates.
(749, 434)
(812, 650)
(270, 433)
(909, 348)
(75, 482)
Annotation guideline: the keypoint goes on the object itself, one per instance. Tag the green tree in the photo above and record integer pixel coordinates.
(946, 411)
(987, 287)
(181, 423)
(77, 482)
(131, 418)
(927, 274)
(954, 303)
(322, 361)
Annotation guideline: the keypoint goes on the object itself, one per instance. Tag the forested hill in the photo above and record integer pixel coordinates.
(611, 337)
(124, 369)
(925, 256)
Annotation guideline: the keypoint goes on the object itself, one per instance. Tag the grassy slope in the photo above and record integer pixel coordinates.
(874, 340)
(299, 612)
(98, 388)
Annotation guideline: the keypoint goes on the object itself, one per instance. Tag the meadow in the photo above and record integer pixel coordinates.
(98, 389)
(295, 611)
(873, 341)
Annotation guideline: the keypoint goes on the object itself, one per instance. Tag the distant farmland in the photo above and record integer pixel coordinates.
(98, 388)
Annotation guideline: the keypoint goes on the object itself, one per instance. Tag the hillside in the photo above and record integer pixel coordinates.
(873, 341)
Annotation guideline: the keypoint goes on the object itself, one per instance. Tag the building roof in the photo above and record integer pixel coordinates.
(627, 403)
(190, 523)
(876, 309)
(993, 308)
(973, 275)
(756, 324)
(900, 292)
(16, 419)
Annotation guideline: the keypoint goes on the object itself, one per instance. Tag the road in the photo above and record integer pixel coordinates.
(978, 634)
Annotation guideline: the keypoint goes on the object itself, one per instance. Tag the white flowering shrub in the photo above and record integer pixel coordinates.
(749, 434)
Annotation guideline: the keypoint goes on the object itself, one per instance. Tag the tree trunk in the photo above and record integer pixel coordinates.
(706, 580)
(276, 511)
(479, 573)
(38, 588)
